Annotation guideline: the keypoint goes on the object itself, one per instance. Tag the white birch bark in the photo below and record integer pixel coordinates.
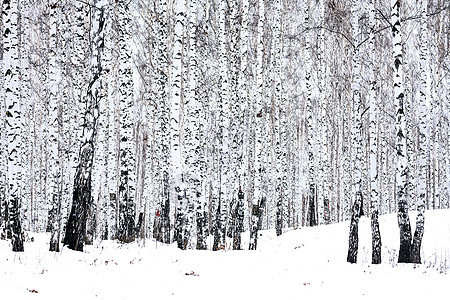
(175, 119)
(321, 138)
(2, 139)
(82, 197)
(373, 142)
(162, 225)
(309, 124)
(78, 57)
(356, 138)
(127, 186)
(195, 156)
(259, 194)
(423, 136)
(110, 63)
(242, 167)
(446, 151)
(13, 119)
(400, 145)
(24, 26)
(235, 115)
(54, 178)
(280, 126)
(65, 113)
(223, 137)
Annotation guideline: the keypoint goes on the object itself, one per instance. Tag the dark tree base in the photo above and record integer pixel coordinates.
(16, 227)
(161, 226)
(219, 230)
(279, 221)
(201, 231)
(376, 239)
(353, 238)
(312, 206)
(415, 249)
(76, 225)
(404, 254)
(54, 247)
(352, 254)
(239, 225)
(254, 229)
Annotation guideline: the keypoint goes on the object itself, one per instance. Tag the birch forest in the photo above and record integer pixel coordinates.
(190, 121)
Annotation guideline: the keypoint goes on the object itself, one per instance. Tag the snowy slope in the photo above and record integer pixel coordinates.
(301, 264)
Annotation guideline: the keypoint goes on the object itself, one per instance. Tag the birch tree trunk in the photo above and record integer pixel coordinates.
(235, 133)
(446, 152)
(423, 140)
(81, 200)
(224, 122)
(312, 221)
(281, 122)
(259, 195)
(127, 185)
(3, 155)
(54, 131)
(243, 100)
(175, 119)
(322, 197)
(12, 120)
(24, 27)
(2, 139)
(401, 172)
(110, 61)
(162, 219)
(357, 139)
(79, 79)
(194, 157)
(373, 142)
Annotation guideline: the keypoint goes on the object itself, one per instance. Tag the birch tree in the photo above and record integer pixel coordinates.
(195, 156)
(12, 120)
(357, 139)
(175, 119)
(309, 124)
(110, 59)
(243, 98)
(224, 122)
(162, 220)
(54, 131)
(81, 199)
(127, 183)
(400, 145)
(259, 196)
(322, 197)
(422, 131)
(2, 140)
(24, 26)
(373, 136)
(281, 126)
(235, 133)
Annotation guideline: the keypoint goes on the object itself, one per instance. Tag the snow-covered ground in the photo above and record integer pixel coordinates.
(309, 263)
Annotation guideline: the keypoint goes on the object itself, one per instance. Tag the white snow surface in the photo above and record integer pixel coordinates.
(308, 263)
